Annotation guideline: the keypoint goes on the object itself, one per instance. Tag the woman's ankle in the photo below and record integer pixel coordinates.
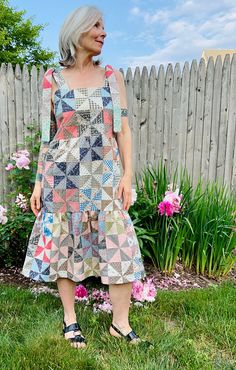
(122, 325)
(69, 318)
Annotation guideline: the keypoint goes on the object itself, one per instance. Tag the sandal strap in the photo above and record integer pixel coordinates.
(130, 336)
(72, 327)
(78, 338)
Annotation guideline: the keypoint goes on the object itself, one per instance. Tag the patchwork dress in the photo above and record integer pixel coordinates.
(81, 229)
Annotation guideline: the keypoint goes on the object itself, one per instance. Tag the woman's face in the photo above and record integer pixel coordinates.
(93, 40)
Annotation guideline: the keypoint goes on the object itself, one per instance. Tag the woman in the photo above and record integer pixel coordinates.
(80, 199)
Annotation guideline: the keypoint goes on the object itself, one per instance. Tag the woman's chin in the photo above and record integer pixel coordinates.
(97, 52)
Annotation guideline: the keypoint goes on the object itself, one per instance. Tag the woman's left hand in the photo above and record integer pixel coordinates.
(125, 191)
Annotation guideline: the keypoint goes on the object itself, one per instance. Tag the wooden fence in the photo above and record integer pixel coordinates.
(184, 118)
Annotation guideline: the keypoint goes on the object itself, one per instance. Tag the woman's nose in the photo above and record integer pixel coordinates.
(103, 33)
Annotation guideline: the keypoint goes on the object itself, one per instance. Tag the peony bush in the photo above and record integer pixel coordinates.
(175, 222)
(16, 217)
(142, 293)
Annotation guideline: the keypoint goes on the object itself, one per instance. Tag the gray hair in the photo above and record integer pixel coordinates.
(76, 23)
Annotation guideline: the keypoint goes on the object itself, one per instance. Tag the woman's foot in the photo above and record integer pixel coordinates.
(124, 331)
(72, 332)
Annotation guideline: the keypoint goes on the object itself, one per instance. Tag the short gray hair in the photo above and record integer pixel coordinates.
(76, 23)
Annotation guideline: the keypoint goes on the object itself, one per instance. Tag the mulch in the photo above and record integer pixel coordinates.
(179, 279)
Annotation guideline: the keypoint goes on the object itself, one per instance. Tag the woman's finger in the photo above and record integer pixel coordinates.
(32, 202)
(127, 200)
(120, 190)
(38, 203)
(34, 206)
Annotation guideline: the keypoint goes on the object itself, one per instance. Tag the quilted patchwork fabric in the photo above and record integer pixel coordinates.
(81, 229)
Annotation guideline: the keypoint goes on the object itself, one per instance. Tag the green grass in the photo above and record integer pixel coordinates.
(194, 329)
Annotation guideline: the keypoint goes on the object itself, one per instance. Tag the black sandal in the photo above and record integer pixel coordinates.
(131, 336)
(73, 327)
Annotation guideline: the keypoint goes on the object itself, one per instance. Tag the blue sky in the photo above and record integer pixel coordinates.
(145, 32)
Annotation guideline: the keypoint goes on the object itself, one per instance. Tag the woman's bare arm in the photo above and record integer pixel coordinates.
(124, 137)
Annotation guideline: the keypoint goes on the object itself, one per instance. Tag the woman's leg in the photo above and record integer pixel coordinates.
(120, 295)
(66, 288)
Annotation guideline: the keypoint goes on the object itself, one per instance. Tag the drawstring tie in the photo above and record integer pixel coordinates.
(89, 217)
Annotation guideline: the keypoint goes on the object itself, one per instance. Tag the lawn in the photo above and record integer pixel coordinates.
(192, 329)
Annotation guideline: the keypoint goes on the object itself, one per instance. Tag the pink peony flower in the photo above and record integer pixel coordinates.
(105, 306)
(144, 291)
(174, 198)
(9, 167)
(22, 162)
(3, 217)
(170, 203)
(81, 292)
(137, 290)
(21, 201)
(99, 295)
(166, 208)
(101, 300)
(133, 196)
(149, 291)
(21, 157)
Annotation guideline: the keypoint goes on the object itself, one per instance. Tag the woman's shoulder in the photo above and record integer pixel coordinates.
(119, 76)
(117, 73)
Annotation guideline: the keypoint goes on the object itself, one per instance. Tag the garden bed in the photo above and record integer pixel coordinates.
(180, 278)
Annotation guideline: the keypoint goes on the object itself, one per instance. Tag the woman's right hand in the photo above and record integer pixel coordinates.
(35, 202)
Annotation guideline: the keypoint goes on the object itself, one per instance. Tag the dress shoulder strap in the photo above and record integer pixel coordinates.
(59, 78)
(115, 95)
(46, 105)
